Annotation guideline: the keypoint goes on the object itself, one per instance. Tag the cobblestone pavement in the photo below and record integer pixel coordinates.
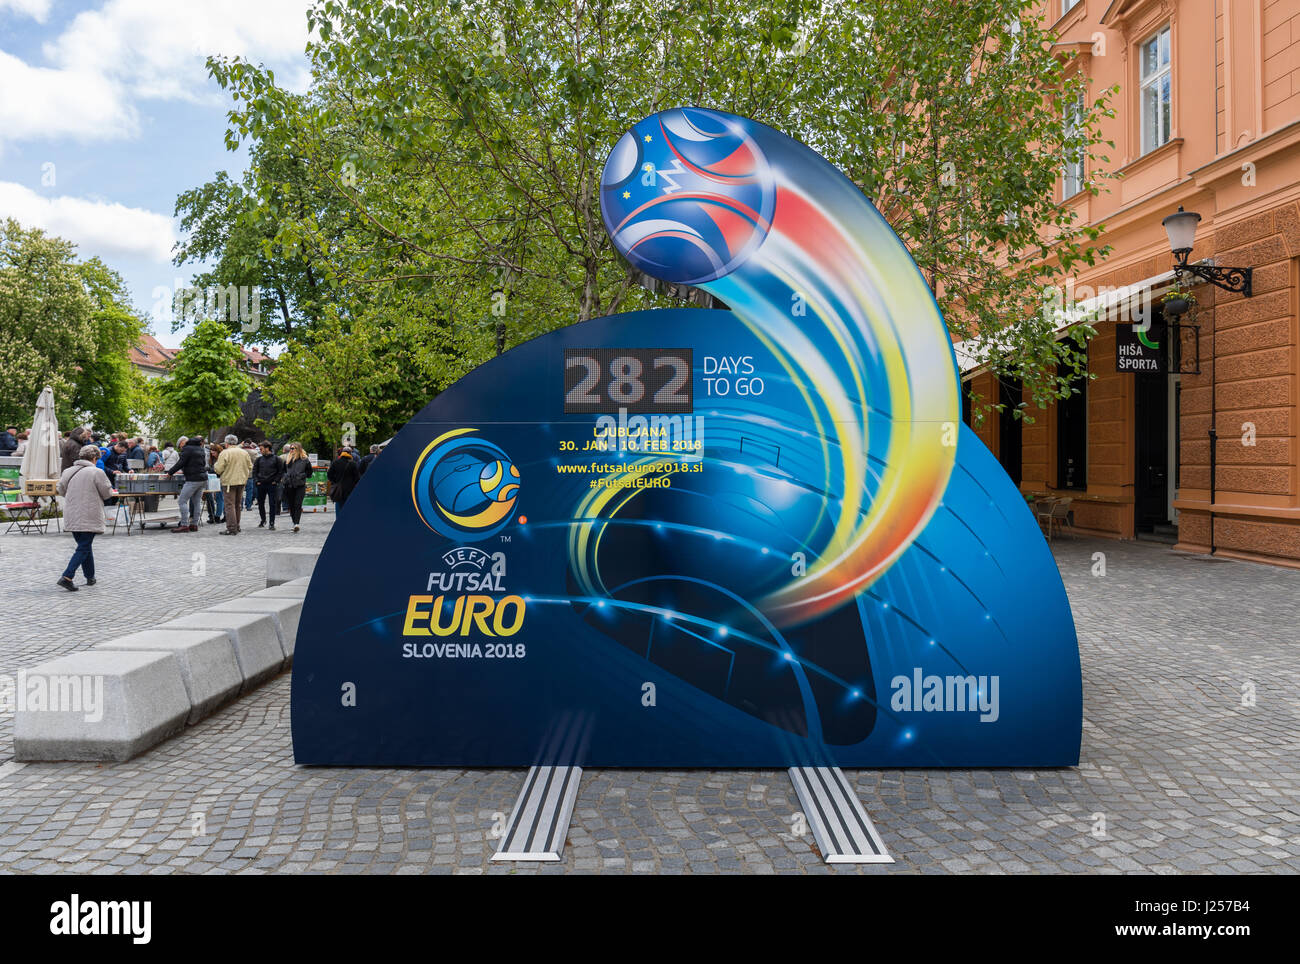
(1177, 774)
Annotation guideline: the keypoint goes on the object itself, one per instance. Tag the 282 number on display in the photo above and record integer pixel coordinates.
(641, 380)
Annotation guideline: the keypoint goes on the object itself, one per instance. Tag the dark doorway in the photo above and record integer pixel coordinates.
(1072, 437)
(1010, 395)
(965, 403)
(1151, 429)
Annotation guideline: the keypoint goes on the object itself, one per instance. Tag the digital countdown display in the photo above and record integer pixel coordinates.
(771, 543)
(636, 380)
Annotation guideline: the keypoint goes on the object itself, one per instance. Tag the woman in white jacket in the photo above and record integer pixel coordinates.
(84, 489)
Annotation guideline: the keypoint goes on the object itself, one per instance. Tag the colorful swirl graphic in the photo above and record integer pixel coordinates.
(816, 273)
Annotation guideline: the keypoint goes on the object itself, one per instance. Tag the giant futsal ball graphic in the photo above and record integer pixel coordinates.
(712, 199)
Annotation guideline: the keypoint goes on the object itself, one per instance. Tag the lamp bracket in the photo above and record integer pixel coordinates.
(1227, 278)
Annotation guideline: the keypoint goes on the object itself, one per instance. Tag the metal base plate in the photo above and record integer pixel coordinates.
(842, 829)
(540, 820)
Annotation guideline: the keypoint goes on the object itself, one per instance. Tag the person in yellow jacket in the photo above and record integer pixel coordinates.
(233, 467)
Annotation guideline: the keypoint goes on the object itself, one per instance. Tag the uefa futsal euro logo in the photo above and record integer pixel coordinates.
(463, 486)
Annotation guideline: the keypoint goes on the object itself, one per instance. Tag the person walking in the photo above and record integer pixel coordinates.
(84, 489)
(193, 467)
(268, 470)
(298, 471)
(233, 466)
(343, 476)
(170, 454)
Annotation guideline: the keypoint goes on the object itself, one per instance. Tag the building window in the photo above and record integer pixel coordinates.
(1072, 436)
(1010, 428)
(1068, 5)
(1156, 90)
(1072, 173)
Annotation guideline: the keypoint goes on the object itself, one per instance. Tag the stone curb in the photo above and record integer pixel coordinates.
(290, 565)
(133, 692)
(207, 663)
(99, 705)
(284, 611)
(255, 637)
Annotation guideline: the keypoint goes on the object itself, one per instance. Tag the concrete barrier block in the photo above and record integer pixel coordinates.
(285, 590)
(98, 705)
(206, 659)
(285, 612)
(254, 636)
(286, 565)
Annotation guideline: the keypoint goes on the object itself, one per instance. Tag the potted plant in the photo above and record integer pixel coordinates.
(1177, 301)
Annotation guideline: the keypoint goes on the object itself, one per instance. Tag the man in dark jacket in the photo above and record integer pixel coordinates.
(192, 463)
(70, 449)
(368, 458)
(115, 462)
(267, 472)
(343, 477)
(9, 440)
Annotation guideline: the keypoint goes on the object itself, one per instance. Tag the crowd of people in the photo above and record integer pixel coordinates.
(244, 473)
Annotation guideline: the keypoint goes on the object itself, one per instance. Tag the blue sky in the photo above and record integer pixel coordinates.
(107, 114)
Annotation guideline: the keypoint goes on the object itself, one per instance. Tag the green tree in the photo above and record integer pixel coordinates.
(957, 122)
(449, 151)
(65, 324)
(107, 384)
(205, 385)
(45, 322)
(373, 374)
(224, 223)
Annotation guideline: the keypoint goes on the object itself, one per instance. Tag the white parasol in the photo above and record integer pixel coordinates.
(41, 460)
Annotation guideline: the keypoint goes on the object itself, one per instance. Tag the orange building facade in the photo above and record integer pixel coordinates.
(1207, 118)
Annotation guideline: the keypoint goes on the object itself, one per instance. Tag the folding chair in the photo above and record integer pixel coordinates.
(24, 516)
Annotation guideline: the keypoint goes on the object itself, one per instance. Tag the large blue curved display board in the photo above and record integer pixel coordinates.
(687, 537)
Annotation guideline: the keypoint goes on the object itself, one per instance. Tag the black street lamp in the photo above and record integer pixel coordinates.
(1181, 229)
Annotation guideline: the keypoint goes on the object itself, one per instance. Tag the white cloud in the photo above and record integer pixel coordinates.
(108, 59)
(38, 10)
(102, 228)
(42, 102)
(157, 48)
